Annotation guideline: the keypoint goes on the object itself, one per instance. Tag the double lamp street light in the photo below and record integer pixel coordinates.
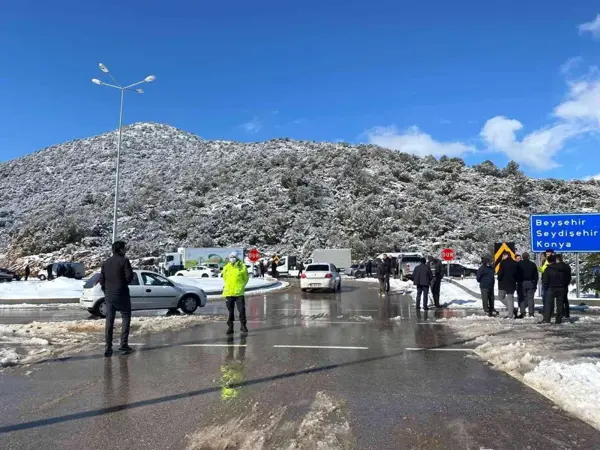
(148, 79)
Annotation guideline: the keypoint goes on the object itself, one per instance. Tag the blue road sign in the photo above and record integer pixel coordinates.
(566, 233)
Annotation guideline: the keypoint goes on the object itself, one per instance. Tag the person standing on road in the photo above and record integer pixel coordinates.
(27, 272)
(437, 269)
(235, 279)
(49, 272)
(486, 279)
(261, 268)
(507, 283)
(568, 275)
(541, 269)
(553, 280)
(115, 276)
(273, 268)
(383, 275)
(520, 292)
(369, 268)
(422, 278)
(529, 277)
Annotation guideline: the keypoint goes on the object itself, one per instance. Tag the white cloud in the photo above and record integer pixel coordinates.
(252, 126)
(592, 27)
(582, 104)
(570, 65)
(593, 177)
(415, 141)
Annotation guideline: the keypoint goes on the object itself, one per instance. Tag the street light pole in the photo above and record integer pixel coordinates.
(148, 79)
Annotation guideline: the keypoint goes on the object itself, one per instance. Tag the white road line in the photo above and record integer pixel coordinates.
(466, 350)
(431, 323)
(215, 345)
(337, 347)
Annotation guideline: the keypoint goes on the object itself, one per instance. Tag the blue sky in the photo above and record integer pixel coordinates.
(512, 80)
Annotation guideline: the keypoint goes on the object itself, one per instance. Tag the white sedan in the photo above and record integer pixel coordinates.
(198, 272)
(148, 290)
(321, 276)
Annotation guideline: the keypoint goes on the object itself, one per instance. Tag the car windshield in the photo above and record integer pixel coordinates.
(92, 281)
(318, 268)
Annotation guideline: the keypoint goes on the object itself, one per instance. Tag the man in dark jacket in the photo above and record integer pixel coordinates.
(115, 276)
(369, 268)
(273, 269)
(384, 270)
(49, 272)
(422, 278)
(27, 272)
(437, 269)
(568, 275)
(486, 279)
(507, 283)
(553, 280)
(528, 276)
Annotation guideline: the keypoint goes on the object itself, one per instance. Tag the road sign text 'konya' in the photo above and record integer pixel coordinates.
(570, 233)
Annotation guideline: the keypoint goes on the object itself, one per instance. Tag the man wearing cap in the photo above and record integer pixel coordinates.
(235, 278)
(115, 276)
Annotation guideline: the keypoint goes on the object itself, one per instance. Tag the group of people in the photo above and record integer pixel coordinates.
(117, 274)
(521, 276)
(428, 275)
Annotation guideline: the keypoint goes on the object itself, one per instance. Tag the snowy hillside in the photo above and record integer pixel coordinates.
(280, 195)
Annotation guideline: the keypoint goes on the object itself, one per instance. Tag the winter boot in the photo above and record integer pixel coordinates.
(244, 328)
(230, 329)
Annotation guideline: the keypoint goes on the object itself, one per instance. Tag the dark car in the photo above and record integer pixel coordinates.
(458, 270)
(8, 275)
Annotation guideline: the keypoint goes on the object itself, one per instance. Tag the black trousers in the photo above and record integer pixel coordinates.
(241, 306)
(555, 296)
(109, 326)
(436, 286)
(422, 291)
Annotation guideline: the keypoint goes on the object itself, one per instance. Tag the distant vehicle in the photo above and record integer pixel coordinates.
(7, 275)
(198, 272)
(340, 257)
(148, 290)
(78, 270)
(356, 270)
(407, 263)
(321, 276)
(397, 262)
(287, 266)
(458, 270)
(187, 257)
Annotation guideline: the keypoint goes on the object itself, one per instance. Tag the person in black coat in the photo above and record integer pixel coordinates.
(528, 276)
(422, 278)
(554, 281)
(486, 278)
(49, 272)
(27, 272)
(384, 270)
(115, 276)
(369, 269)
(437, 269)
(568, 275)
(507, 283)
(274, 269)
(261, 268)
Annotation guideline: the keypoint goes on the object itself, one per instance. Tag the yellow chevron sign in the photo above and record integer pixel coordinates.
(500, 249)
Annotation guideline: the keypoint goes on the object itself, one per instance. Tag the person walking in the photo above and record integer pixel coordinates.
(567, 278)
(27, 272)
(49, 272)
(437, 269)
(115, 276)
(261, 267)
(369, 268)
(528, 277)
(486, 279)
(507, 283)
(422, 278)
(273, 268)
(553, 280)
(235, 279)
(383, 275)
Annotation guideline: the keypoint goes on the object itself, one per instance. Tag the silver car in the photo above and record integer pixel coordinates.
(148, 290)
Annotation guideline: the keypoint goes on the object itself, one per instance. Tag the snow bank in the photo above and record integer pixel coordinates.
(58, 288)
(560, 362)
(27, 343)
(395, 285)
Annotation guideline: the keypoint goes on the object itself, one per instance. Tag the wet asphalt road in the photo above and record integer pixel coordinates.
(198, 383)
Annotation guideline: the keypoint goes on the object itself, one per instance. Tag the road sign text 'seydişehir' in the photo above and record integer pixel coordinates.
(573, 233)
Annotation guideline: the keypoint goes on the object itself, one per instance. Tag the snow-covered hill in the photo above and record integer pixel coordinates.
(280, 195)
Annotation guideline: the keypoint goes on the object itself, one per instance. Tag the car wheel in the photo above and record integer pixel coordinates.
(204, 275)
(303, 290)
(100, 309)
(188, 304)
(42, 277)
(179, 274)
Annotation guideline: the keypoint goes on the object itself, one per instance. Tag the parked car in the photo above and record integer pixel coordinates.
(458, 270)
(7, 275)
(148, 290)
(198, 272)
(77, 268)
(407, 264)
(356, 270)
(321, 276)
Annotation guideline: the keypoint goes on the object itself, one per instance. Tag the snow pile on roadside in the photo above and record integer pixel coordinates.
(325, 426)
(560, 362)
(33, 290)
(42, 306)
(395, 285)
(8, 357)
(41, 340)
(455, 298)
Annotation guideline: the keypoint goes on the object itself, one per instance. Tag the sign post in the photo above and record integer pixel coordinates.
(448, 255)
(566, 233)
